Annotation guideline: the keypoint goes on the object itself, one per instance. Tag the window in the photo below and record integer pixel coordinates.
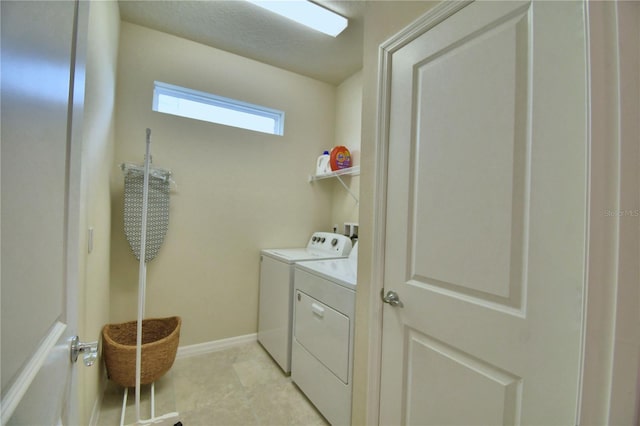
(189, 103)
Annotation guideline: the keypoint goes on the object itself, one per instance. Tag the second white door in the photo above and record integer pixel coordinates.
(486, 215)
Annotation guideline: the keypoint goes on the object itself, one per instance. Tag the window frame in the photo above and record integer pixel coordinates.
(161, 88)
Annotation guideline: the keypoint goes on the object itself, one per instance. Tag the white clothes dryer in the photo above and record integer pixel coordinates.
(323, 330)
(275, 313)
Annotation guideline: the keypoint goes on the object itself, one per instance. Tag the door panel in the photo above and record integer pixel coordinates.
(440, 374)
(482, 192)
(486, 216)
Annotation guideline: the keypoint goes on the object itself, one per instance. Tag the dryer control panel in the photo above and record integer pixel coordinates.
(329, 242)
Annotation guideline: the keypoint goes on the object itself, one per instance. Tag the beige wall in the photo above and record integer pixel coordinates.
(382, 20)
(238, 191)
(97, 157)
(348, 133)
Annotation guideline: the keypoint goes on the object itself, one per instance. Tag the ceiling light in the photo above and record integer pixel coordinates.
(306, 13)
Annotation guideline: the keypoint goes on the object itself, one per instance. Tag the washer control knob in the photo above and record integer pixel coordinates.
(334, 242)
(323, 240)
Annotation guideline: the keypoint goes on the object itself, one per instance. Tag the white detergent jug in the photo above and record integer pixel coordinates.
(322, 165)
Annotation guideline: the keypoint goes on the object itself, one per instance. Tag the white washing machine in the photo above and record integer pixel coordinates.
(276, 290)
(323, 329)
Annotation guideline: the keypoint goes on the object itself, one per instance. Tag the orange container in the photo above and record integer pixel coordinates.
(340, 158)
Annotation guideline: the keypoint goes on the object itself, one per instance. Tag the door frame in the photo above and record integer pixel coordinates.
(385, 53)
(610, 347)
(601, 19)
(74, 191)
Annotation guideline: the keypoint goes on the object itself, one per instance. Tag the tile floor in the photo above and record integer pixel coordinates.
(237, 386)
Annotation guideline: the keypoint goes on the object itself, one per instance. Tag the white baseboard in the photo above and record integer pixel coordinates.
(97, 405)
(215, 345)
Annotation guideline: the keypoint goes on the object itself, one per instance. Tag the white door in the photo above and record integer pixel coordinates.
(485, 222)
(42, 75)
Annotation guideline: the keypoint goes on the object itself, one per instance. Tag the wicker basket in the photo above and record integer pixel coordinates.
(159, 346)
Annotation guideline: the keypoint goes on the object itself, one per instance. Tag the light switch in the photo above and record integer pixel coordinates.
(90, 240)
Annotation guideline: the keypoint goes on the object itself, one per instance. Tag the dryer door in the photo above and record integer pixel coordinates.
(324, 332)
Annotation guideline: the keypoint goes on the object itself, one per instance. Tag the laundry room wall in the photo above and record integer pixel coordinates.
(348, 133)
(237, 191)
(95, 200)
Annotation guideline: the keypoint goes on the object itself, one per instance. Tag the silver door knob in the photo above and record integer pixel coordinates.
(391, 298)
(89, 351)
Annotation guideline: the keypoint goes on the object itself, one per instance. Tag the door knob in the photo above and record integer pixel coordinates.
(391, 298)
(89, 351)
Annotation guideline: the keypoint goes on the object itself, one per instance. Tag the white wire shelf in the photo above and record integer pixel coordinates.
(351, 171)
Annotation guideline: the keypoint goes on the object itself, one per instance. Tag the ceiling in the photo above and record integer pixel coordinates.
(245, 29)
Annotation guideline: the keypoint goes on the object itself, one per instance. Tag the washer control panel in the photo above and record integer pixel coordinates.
(329, 242)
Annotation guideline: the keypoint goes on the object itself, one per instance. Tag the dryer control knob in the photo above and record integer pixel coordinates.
(334, 242)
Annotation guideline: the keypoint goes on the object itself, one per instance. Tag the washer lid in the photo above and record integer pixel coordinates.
(292, 255)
